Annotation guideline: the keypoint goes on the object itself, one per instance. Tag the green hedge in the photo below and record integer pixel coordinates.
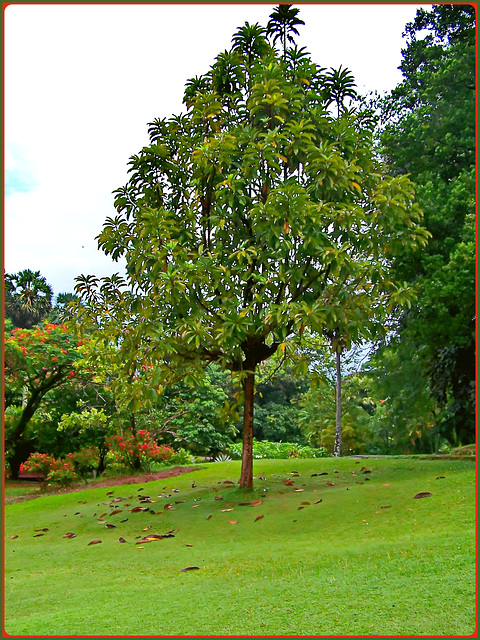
(277, 450)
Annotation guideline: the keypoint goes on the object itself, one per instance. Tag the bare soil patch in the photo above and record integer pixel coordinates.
(148, 477)
(102, 482)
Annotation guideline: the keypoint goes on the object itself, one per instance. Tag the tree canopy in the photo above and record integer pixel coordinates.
(28, 298)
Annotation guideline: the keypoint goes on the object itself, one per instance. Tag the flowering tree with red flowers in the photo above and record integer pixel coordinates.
(36, 361)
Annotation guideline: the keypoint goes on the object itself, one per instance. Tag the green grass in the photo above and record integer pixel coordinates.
(344, 566)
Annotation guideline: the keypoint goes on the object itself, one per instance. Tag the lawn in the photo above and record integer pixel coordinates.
(358, 556)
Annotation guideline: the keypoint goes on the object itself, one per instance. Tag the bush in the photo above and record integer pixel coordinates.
(62, 472)
(181, 457)
(84, 461)
(40, 463)
(278, 450)
(137, 452)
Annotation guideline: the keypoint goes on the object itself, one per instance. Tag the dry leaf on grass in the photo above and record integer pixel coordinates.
(423, 494)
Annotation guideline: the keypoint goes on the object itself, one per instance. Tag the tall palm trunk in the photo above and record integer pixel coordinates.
(337, 451)
(246, 475)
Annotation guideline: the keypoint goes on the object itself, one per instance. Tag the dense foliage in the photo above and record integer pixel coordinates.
(429, 132)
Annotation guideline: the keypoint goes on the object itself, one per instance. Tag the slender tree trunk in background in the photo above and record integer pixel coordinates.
(133, 429)
(337, 451)
(246, 475)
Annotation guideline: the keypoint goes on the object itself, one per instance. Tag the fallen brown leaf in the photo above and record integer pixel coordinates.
(423, 494)
(189, 568)
(94, 542)
(259, 517)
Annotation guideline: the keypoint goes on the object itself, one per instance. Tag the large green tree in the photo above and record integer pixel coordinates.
(255, 215)
(429, 133)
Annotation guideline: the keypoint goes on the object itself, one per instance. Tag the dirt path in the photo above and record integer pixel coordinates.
(106, 482)
(149, 477)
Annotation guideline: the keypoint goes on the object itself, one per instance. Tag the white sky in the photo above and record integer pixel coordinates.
(82, 82)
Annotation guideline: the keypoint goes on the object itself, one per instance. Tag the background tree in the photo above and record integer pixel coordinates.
(36, 362)
(429, 132)
(282, 24)
(62, 310)
(28, 298)
(245, 222)
(317, 413)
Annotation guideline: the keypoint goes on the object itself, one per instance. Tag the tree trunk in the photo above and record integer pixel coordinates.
(20, 452)
(133, 428)
(337, 451)
(246, 475)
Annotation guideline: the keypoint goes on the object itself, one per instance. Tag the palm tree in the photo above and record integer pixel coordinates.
(227, 74)
(28, 298)
(250, 41)
(282, 23)
(339, 84)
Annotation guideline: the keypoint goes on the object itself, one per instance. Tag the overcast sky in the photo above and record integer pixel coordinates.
(83, 81)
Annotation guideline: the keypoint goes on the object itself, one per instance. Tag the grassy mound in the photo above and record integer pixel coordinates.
(348, 552)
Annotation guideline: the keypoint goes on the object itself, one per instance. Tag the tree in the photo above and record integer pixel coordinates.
(429, 132)
(250, 41)
(245, 222)
(339, 84)
(283, 22)
(318, 409)
(36, 362)
(28, 298)
(62, 309)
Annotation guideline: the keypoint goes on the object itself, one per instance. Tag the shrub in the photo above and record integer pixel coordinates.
(182, 456)
(278, 450)
(62, 472)
(137, 451)
(223, 457)
(84, 461)
(40, 463)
